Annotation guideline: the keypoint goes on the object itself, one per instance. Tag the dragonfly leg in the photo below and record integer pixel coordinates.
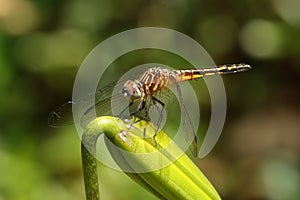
(155, 100)
(144, 133)
(154, 138)
(130, 104)
(160, 112)
(140, 107)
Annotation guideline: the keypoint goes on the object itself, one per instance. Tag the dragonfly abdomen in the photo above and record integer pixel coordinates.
(190, 74)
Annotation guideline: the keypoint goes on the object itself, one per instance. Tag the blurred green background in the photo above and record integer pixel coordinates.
(42, 44)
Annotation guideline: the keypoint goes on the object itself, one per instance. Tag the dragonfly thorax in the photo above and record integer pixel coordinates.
(132, 90)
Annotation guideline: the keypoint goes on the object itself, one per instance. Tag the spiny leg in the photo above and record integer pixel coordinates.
(140, 107)
(160, 116)
(130, 104)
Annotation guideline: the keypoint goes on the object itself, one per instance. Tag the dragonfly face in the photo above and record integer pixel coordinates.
(132, 90)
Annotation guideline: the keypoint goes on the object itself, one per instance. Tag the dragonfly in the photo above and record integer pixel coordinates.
(142, 93)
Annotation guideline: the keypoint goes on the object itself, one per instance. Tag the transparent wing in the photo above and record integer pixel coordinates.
(187, 127)
(63, 116)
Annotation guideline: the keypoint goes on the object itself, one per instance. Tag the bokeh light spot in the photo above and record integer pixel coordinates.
(281, 178)
(261, 39)
(288, 10)
(18, 16)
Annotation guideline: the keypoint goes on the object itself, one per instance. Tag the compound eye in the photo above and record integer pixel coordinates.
(128, 89)
(125, 92)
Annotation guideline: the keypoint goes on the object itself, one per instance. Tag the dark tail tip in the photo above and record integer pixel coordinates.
(243, 67)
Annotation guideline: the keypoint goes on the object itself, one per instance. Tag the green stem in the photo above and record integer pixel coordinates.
(89, 165)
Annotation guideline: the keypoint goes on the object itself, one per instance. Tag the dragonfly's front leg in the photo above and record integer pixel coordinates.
(160, 114)
(141, 106)
(130, 104)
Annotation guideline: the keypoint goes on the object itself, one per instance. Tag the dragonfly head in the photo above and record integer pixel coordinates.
(132, 90)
